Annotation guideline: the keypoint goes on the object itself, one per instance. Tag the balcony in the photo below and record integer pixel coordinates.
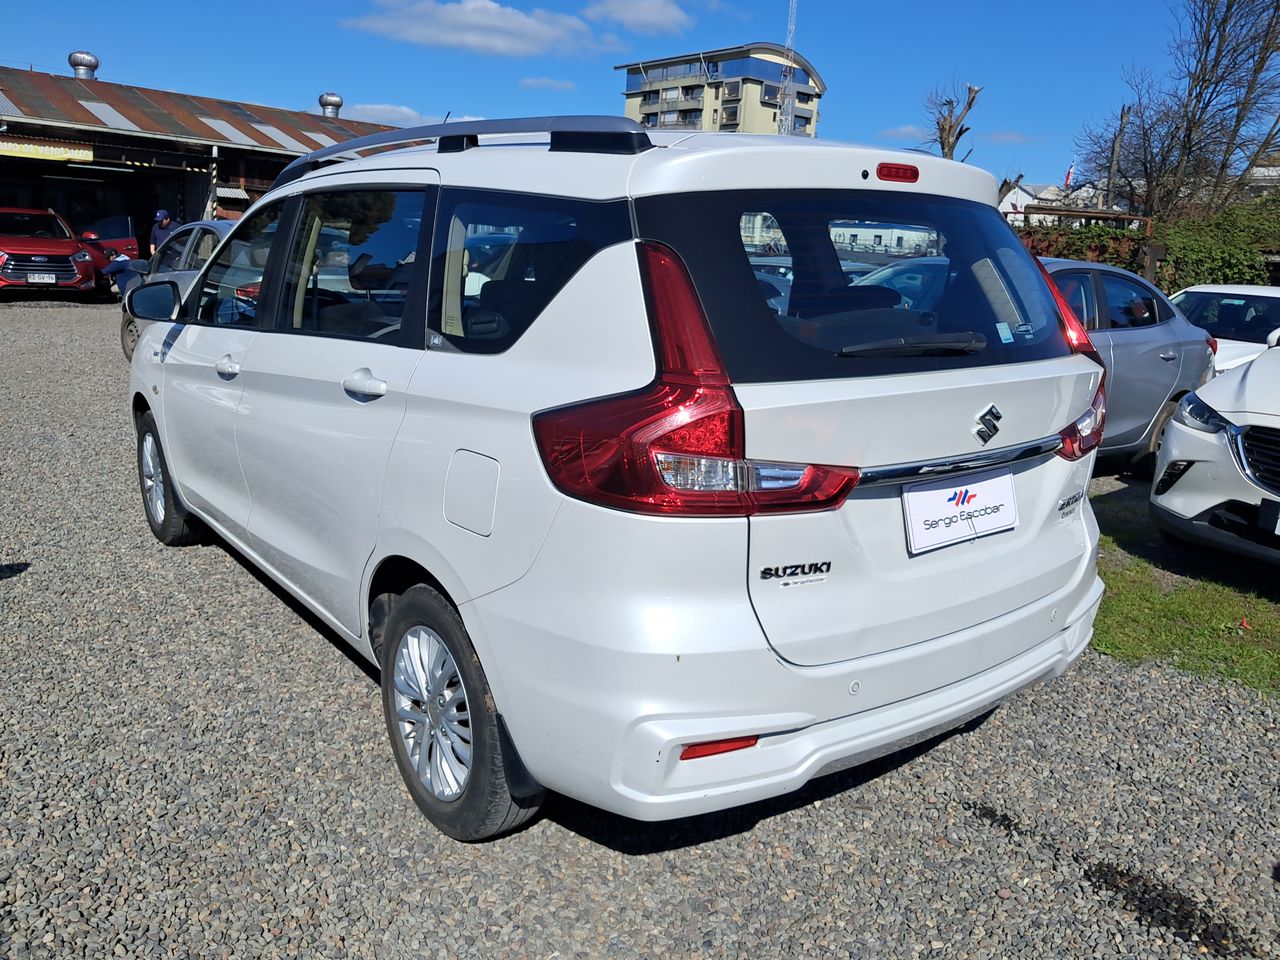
(685, 103)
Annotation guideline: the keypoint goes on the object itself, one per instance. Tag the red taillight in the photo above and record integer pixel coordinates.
(1211, 341)
(677, 446)
(250, 291)
(712, 747)
(898, 172)
(1072, 328)
(1085, 434)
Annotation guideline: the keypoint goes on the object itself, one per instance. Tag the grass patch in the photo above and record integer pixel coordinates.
(1196, 609)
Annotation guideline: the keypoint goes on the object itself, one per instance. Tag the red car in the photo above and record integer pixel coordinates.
(39, 251)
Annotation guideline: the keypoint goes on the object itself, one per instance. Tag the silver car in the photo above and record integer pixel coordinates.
(1154, 356)
(179, 259)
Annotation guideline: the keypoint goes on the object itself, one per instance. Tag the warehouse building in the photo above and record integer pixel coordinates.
(95, 151)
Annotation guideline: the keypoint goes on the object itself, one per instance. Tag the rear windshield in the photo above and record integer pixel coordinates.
(32, 225)
(1231, 316)
(820, 284)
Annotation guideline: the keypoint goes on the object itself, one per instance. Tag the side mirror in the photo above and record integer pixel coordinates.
(157, 301)
(88, 235)
(1273, 338)
(138, 266)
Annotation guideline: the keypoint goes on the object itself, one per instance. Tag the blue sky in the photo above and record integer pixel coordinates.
(1045, 69)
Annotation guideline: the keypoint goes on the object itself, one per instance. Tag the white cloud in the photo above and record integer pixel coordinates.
(394, 115)
(907, 132)
(642, 16)
(547, 83)
(481, 26)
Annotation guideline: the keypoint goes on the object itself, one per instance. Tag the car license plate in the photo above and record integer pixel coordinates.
(41, 278)
(942, 512)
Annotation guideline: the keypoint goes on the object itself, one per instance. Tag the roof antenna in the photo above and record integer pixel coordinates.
(446, 116)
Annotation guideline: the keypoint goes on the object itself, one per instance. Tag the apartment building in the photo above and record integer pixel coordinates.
(734, 89)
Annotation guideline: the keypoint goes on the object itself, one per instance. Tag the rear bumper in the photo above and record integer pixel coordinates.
(600, 692)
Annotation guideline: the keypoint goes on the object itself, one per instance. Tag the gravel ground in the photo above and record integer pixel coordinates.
(190, 766)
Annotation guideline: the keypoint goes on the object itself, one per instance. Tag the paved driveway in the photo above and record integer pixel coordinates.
(190, 766)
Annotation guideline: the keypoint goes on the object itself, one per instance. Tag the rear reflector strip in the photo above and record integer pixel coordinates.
(712, 747)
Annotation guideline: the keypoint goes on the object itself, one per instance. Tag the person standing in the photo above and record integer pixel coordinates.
(161, 229)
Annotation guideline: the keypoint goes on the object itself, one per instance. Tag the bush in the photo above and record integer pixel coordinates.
(1226, 248)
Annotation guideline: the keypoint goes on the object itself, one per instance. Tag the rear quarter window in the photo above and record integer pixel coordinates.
(877, 282)
(498, 259)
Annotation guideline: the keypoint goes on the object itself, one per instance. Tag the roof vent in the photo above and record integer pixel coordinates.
(84, 64)
(330, 104)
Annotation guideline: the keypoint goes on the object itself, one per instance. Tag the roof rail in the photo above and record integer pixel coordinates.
(585, 134)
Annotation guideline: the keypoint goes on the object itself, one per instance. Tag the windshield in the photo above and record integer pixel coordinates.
(1231, 316)
(33, 225)
(817, 284)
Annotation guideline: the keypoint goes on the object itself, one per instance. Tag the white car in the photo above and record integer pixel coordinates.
(619, 524)
(1218, 471)
(1245, 320)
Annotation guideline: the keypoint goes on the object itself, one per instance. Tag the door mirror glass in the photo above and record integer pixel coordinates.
(157, 301)
(1273, 338)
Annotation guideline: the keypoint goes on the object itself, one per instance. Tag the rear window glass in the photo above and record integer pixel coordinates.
(820, 284)
(1231, 316)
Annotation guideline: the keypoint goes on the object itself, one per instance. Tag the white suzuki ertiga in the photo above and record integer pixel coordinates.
(513, 413)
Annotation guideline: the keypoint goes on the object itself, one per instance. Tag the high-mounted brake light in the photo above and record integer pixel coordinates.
(676, 446)
(712, 747)
(898, 172)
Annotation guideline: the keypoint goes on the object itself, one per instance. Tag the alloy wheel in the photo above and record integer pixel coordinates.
(432, 716)
(152, 478)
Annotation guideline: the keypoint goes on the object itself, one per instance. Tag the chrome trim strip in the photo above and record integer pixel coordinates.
(928, 469)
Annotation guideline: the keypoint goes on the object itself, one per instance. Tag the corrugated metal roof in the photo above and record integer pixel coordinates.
(109, 115)
(232, 193)
(128, 110)
(229, 133)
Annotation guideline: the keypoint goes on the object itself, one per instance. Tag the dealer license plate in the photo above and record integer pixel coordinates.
(41, 278)
(942, 512)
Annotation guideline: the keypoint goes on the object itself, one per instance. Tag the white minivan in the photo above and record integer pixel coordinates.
(609, 522)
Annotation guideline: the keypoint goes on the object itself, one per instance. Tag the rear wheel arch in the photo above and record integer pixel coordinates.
(393, 576)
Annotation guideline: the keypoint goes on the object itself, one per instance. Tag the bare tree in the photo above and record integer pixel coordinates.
(947, 108)
(1193, 138)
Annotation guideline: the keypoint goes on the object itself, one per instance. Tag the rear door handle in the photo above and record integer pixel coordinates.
(363, 385)
(227, 368)
(1168, 355)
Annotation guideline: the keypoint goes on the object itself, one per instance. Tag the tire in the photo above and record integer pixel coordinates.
(128, 335)
(166, 516)
(430, 672)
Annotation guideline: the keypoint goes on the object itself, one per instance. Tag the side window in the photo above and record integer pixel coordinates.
(1128, 305)
(169, 256)
(350, 264)
(201, 248)
(498, 260)
(1077, 289)
(232, 285)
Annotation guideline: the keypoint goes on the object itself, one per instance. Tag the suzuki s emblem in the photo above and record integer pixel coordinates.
(988, 424)
(40, 259)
